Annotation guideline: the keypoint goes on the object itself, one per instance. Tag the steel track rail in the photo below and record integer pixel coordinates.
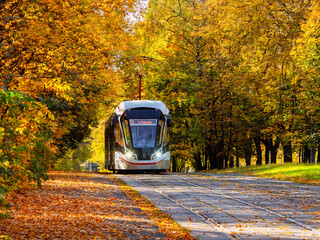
(312, 229)
(206, 219)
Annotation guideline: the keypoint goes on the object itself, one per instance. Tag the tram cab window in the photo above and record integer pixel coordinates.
(143, 132)
(126, 132)
(118, 135)
(160, 132)
(166, 139)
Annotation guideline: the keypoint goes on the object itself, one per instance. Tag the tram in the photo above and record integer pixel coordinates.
(137, 137)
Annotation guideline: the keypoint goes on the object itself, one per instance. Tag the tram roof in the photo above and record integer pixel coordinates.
(125, 105)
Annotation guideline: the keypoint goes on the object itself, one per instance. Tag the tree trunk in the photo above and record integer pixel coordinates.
(221, 159)
(248, 151)
(258, 150)
(226, 161)
(197, 158)
(231, 162)
(206, 160)
(173, 165)
(274, 150)
(267, 150)
(248, 158)
(312, 155)
(212, 157)
(220, 154)
(306, 155)
(300, 154)
(237, 162)
(287, 152)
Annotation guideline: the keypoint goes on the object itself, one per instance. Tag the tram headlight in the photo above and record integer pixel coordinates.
(156, 154)
(129, 155)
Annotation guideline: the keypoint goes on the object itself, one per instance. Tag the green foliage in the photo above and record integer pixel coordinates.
(74, 158)
(302, 173)
(14, 144)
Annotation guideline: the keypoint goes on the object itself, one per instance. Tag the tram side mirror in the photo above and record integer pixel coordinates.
(169, 122)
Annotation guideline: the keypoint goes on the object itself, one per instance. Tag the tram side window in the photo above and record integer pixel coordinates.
(160, 131)
(118, 135)
(166, 139)
(126, 132)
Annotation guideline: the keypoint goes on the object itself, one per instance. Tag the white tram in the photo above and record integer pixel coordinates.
(137, 137)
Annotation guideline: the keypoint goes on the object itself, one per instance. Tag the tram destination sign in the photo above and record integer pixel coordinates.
(140, 122)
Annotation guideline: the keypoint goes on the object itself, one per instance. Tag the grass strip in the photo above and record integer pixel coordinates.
(299, 173)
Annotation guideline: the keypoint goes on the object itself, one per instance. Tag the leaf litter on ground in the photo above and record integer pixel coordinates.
(75, 205)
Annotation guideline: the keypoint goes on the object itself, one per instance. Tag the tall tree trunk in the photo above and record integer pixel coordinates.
(312, 155)
(267, 150)
(231, 162)
(248, 151)
(206, 159)
(225, 162)
(197, 158)
(237, 161)
(287, 152)
(258, 150)
(221, 159)
(220, 154)
(212, 157)
(174, 165)
(306, 155)
(248, 158)
(300, 154)
(274, 150)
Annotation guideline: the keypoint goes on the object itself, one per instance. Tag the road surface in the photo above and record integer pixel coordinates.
(223, 206)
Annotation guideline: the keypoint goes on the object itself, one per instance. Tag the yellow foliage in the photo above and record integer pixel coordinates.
(57, 66)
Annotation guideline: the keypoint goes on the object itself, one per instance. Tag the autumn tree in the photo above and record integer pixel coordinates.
(56, 69)
(231, 63)
(306, 79)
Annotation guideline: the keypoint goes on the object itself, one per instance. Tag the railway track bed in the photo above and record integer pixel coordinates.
(216, 206)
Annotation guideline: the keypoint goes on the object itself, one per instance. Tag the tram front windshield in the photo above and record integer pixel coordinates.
(143, 132)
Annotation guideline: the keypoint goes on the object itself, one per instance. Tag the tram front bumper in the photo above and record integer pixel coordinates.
(123, 162)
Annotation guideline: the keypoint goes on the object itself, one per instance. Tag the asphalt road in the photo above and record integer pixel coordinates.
(218, 206)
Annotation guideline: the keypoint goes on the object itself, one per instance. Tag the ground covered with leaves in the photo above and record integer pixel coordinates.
(86, 206)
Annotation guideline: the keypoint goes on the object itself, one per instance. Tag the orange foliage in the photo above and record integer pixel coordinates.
(81, 206)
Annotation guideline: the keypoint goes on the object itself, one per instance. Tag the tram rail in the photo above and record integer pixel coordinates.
(179, 184)
(206, 219)
(316, 231)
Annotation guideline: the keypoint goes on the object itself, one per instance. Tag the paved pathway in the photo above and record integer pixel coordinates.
(216, 206)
